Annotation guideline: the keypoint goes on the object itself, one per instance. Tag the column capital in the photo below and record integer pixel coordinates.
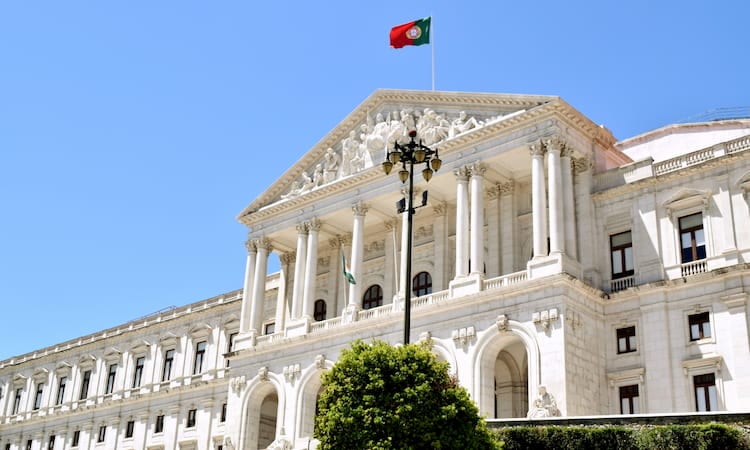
(441, 209)
(554, 143)
(287, 258)
(265, 244)
(251, 245)
(314, 224)
(536, 149)
(391, 225)
(581, 165)
(301, 228)
(505, 188)
(477, 168)
(567, 151)
(462, 174)
(360, 209)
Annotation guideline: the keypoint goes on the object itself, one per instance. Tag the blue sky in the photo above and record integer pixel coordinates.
(133, 133)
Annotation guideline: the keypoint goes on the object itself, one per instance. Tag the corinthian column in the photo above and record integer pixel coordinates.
(259, 285)
(462, 222)
(299, 271)
(538, 200)
(571, 246)
(311, 268)
(556, 226)
(247, 289)
(477, 217)
(358, 251)
(281, 305)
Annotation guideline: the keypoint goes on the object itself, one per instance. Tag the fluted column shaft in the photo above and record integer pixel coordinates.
(538, 201)
(462, 222)
(247, 288)
(259, 285)
(477, 217)
(358, 252)
(281, 303)
(569, 216)
(299, 271)
(556, 225)
(311, 268)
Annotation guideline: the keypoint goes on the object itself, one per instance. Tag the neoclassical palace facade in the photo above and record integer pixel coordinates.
(547, 253)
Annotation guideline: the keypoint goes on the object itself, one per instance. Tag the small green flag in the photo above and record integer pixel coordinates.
(348, 275)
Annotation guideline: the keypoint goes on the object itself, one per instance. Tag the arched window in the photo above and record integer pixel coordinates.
(421, 284)
(320, 310)
(373, 297)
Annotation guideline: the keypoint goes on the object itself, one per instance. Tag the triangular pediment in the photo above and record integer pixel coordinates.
(361, 139)
(686, 198)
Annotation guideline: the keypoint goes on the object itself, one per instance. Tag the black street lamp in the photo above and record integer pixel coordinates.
(408, 155)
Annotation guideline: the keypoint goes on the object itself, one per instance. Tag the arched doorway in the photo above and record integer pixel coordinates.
(506, 365)
(267, 420)
(262, 410)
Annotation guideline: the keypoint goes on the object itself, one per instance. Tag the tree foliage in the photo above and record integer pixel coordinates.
(382, 397)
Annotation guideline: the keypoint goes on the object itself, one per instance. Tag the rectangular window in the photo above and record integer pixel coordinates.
(200, 353)
(700, 326)
(61, 390)
(111, 374)
(29, 443)
(38, 397)
(692, 239)
(191, 418)
(85, 385)
(129, 427)
(51, 443)
(76, 437)
(138, 374)
(629, 399)
(230, 345)
(621, 249)
(223, 413)
(102, 434)
(166, 373)
(159, 425)
(17, 400)
(705, 392)
(270, 328)
(626, 341)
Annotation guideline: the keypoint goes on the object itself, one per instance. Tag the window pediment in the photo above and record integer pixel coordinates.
(687, 198)
(63, 367)
(634, 375)
(705, 362)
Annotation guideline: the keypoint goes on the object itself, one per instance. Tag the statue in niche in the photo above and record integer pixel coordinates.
(461, 124)
(544, 405)
(331, 165)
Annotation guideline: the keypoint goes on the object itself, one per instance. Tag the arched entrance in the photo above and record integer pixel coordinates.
(506, 365)
(262, 410)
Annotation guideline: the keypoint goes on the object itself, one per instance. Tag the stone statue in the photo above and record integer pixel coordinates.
(307, 182)
(331, 165)
(544, 405)
(349, 148)
(461, 124)
(432, 127)
(293, 192)
(318, 176)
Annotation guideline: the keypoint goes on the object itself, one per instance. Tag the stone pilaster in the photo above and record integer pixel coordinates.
(299, 271)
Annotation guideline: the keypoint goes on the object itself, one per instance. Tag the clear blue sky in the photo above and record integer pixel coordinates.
(133, 133)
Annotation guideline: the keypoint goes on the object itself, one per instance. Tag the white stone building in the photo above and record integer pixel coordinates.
(613, 273)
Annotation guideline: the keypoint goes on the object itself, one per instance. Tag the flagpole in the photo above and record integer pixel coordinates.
(432, 45)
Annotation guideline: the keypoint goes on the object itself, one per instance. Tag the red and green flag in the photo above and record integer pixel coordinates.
(412, 33)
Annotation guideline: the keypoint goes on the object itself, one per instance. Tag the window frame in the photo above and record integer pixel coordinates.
(139, 365)
(102, 434)
(373, 294)
(129, 429)
(691, 231)
(320, 310)
(75, 440)
(166, 369)
(706, 386)
(700, 319)
(159, 424)
(85, 384)
(109, 386)
(201, 347)
(622, 250)
(61, 384)
(192, 418)
(421, 284)
(39, 395)
(17, 399)
(633, 401)
(631, 340)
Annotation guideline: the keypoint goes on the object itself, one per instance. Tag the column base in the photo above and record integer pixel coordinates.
(350, 312)
(245, 340)
(298, 327)
(465, 285)
(553, 264)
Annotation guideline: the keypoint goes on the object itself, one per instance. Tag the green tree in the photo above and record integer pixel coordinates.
(381, 397)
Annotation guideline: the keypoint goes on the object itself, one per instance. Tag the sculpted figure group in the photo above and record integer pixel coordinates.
(358, 152)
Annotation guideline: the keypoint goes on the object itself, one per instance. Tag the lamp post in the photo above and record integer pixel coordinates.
(408, 155)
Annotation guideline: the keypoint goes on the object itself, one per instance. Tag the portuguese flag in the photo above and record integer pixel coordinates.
(412, 33)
